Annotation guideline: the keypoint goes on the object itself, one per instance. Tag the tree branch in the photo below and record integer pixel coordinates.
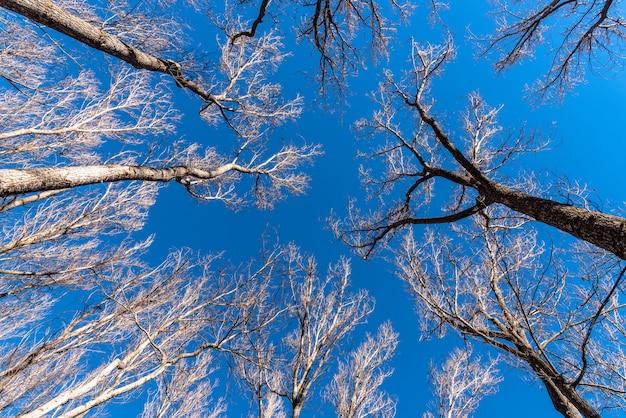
(55, 17)
(32, 180)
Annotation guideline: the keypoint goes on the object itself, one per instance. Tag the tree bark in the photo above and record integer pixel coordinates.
(565, 398)
(604, 231)
(561, 403)
(31, 180)
(49, 14)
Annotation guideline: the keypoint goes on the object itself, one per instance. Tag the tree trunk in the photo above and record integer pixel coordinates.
(605, 231)
(296, 410)
(30, 180)
(565, 398)
(562, 402)
(49, 14)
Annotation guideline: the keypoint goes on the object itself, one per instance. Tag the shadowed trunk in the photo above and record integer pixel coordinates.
(565, 398)
(562, 404)
(605, 231)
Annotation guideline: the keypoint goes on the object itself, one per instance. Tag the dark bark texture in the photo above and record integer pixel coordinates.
(565, 398)
(605, 231)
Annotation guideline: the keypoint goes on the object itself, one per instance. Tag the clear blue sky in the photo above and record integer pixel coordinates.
(588, 146)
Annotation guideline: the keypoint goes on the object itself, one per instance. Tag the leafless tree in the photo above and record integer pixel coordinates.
(461, 382)
(83, 25)
(355, 388)
(62, 130)
(561, 324)
(187, 392)
(340, 31)
(333, 27)
(419, 157)
(324, 312)
(73, 118)
(85, 320)
(580, 34)
(255, 371)
(141, 324)
(128, 32)
(507, 291)
(319, 314)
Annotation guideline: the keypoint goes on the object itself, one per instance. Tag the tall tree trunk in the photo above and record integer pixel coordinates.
(567, 400)
(49, 14)
(564, 397)
(29, 180)
(605, 231)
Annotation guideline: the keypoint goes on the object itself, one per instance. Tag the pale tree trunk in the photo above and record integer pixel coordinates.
(74, 393)
(296, 410)
(30, 180)
(49, 14)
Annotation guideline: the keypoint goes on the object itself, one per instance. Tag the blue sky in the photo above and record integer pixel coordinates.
(588, 146)
(587, 132)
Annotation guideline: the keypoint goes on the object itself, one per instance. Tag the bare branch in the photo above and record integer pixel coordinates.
(590, 35)
(355, 388)
(430, 156)
(461, 383)
(502, 294)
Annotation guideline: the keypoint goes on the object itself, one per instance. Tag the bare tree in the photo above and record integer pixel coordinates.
(186, 392)
(256, 372)
(428, 159)
(507, 291)
(590, 35)
(318, 316)
(324, 312)
(355, 388)
(86, 151)
(333, 28)
(146, 324)
(461, 382)
(74, 118)
(86, 321)
(562, 325)
(340, 31)
(62, 130)
(83, 30)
